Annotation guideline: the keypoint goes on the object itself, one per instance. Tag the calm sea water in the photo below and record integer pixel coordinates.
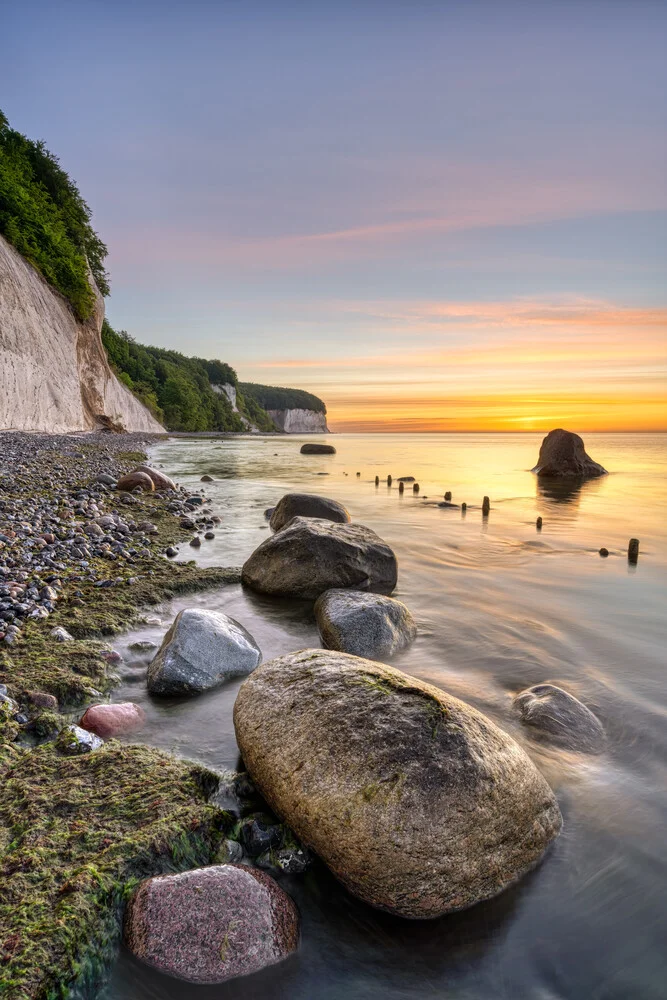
(500, 606)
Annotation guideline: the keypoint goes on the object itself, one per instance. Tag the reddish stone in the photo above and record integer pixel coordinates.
(112, 720)
(211, 924)
(160, 481)
(134, 479)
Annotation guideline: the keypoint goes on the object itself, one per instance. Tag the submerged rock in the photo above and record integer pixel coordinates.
(307, 505)
(364, 624)
(312, 448)
(417, 802)
(201, 650)
(561, 718)
(211, 924)
(310, 555)
(562, 453)
(112, 720)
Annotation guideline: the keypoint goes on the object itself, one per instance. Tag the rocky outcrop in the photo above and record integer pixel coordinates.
(54, 373)
(310, 555)
(558, 717)
(562, 454)
(299, 421)
(211, 924)
(306, 505)
(364, 624)
(417, 802)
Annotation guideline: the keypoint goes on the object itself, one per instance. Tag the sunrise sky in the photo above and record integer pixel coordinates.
(436, 216)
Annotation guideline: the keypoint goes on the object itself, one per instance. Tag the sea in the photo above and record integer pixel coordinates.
(500, 605)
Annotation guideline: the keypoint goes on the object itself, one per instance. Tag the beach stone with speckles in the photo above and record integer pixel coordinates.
(417, 802)
(307, 505)
(201, 650)
(310, 555)
(113, 720)
(211, 924)
(562, 454)
(560, 718)
(364, 624)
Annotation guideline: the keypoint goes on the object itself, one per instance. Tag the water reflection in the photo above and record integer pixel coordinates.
(565, 491)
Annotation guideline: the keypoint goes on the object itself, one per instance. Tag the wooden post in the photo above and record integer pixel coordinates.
(401, 487)
(448, 495)
(486, 506)
(377, 480)
(388, 480)
(415, 488)
(633, 550)
(464, 507)
(538, 524)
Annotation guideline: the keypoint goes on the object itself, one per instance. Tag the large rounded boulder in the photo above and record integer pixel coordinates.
(557, 717)
(562, 454)
(159, 480)
(134, 480)
(307, 505)
(313, 448)
(310, 555)
(368, 625)
(211, 924)
(201, 650)
(417, 802)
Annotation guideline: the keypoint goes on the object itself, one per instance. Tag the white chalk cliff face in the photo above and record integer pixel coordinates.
(299, 421)
(54, 373)
(228, 390)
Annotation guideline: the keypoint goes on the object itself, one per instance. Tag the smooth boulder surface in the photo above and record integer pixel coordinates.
(312, 448)
(561, 718)
(306, 505)
(310, 555)
(112, 720)
(364, 624)
(133, 479)
(201, 650)
(211, 924)
(417, 802)
(160, 481)
(562, 453)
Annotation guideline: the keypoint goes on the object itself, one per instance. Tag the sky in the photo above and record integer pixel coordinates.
(434, 215)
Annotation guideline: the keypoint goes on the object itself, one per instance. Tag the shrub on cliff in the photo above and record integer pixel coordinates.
(278, 398)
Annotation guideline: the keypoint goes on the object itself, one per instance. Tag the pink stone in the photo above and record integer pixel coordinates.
(211, 924)
(112, 720)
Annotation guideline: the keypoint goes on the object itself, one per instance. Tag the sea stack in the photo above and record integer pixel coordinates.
(563, 455)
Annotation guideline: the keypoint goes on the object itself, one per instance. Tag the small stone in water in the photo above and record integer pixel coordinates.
(448, 495)
(604, 552)
(209, 534)
(195, 542)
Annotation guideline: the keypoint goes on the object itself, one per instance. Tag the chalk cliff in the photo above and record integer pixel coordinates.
(54, 373)
(296, 421)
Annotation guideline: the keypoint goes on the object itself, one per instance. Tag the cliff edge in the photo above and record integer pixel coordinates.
(54, 373)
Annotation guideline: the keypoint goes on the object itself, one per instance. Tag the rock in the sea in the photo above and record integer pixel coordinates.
(73, 741)
(561, 718)
(307, 505)
(159, 480)
(364, 624)
(417, 802)
(312, 448)
(201, 650)
(134, 479)
(211, 924)
(563, 454)
(310, 555)
(207, 479)
(112, 720)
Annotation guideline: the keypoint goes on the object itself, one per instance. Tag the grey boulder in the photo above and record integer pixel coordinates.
(560, 718)
(417, 802)
(306, 505)
(563, 454)
(310, 555)
(364, 624)
(201, 650)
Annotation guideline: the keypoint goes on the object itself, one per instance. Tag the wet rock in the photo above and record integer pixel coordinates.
(230, 852)
(201, 650)
(364, 624)
(307, 505)
(113, 720)
(285, 861)
(209, 536)
(211, 924)
(207, 479)
(195, 542)
(260, 834)
(311, 555)
(312, 448)
(171, 552)
(74, 741)
(560, 718)
(159, 480)
(604, 552)
(135, 479)
(563, 454)
(417, 802)
(406, 479)
(142, 646)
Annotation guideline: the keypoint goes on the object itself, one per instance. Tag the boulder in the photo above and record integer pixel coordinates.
(312, 448)
(417, 802)
(211, 924)
(563, 454)
(201, 650)
(159, 480)
(364, 624)
(310, 555)
(307, 505)
(133, 479)
(113, 720)
(560, 718)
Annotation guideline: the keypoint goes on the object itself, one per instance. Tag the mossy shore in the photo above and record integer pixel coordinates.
(76, 833)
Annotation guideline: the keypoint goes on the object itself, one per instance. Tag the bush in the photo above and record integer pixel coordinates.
(277, 398)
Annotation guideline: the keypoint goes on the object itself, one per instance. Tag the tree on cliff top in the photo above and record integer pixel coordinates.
(43, 215)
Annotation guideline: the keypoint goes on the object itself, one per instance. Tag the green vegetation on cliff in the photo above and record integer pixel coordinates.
(277, 398)
(43, 215)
